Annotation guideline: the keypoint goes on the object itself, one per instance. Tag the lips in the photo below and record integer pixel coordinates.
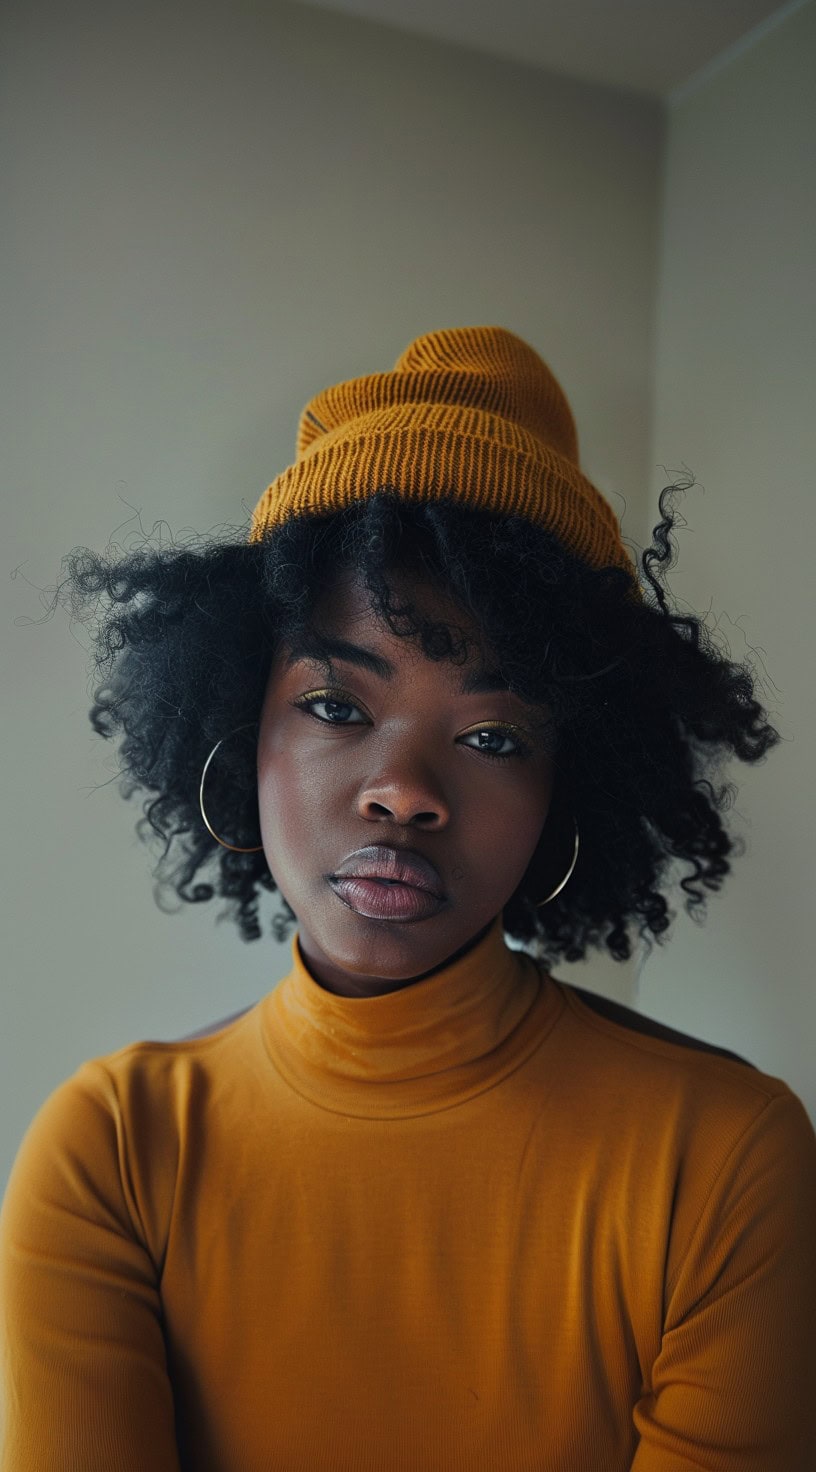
(400, 865)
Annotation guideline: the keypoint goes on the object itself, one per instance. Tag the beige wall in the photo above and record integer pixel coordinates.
(736, 402)
(215, 211)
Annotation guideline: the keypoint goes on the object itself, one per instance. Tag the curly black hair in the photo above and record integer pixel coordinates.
(645, 707)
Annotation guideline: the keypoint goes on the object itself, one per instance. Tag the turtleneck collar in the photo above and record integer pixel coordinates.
(423, 1047)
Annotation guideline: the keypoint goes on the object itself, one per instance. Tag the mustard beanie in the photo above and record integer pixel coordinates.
(470, 413)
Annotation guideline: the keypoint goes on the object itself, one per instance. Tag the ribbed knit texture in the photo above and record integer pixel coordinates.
(467, 1226)
(472, 413)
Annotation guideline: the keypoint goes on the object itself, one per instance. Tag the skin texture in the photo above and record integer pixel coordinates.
(400, 764)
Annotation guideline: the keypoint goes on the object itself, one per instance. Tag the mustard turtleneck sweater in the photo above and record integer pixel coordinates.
(467, 1226)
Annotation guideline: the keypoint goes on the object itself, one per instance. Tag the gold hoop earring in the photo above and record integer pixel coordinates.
(568, 874)
(210, 828)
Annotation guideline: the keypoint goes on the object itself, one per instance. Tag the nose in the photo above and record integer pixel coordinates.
(405, 792)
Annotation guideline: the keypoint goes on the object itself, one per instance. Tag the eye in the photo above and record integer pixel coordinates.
(502, 734)
(334, 702)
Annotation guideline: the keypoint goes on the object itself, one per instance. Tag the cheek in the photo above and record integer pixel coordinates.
(283, 789)
(507, 823)
(522, 828)
(293, 801)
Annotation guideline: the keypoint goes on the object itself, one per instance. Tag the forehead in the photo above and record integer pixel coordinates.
(347, 603)
(344, 626)
(345, 610)
(344, 616)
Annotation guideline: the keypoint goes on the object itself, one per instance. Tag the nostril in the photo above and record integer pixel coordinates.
(403, 812)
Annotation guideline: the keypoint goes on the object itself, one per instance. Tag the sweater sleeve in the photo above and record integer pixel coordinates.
(85, 1382)
(734, 1383)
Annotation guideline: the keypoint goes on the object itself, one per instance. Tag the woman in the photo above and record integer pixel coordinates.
(423, 1206)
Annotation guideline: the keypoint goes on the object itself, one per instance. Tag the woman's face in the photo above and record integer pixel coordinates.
(391, 757)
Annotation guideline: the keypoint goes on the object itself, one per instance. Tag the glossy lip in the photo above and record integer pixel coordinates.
(384, 861)
(374, 899)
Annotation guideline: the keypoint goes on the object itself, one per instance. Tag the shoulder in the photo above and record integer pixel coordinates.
(110, 1137)
(135, 1099)
(634, 1023)
(697, 1112)
(656, 1071)
(213, 1027)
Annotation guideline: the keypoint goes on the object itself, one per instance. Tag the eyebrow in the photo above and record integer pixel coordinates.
(323, 648)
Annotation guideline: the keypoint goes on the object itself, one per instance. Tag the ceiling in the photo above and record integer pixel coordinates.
(649, 46)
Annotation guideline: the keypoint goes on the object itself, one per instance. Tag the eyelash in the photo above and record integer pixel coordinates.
(339, 697)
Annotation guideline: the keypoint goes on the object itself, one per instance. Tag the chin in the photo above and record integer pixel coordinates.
(375, 947)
